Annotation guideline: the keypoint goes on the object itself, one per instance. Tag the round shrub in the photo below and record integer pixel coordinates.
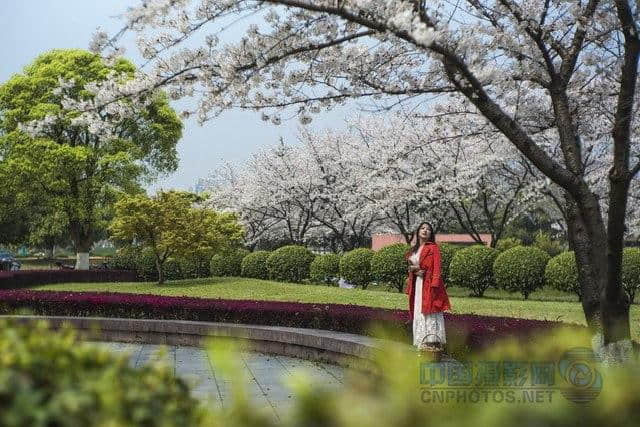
(171, 269)
(144, 264)
(561, 273)
(254, 265)
(388, 265)
(447, 251)
(195, 266)
(545, 243)
(520, 269)
(355, 267)
(472, 268)
(124, 259)
(631, 271)
(50, 379)
(325, 268)
(290, 263)
(228, 263)
(508, 243)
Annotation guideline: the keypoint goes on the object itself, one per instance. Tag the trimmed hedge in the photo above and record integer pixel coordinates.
(388, 265)
(472, 268)
(290, 264)
(53, 380)
(545, 243)
(562, 273)
(143, 263)
(464, 332)
(324, 269)
(254, 265)
(507, 243)
(27, 278)
(631, 271)
(228, 263)
(355, 267)
(520, 269)
(447, 252)
(194, 267)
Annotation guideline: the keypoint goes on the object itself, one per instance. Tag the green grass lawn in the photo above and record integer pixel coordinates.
(546, 304)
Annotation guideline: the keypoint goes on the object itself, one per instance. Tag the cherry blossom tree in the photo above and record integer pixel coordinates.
(449, 166)
(344, 208)
(400, 182)
(273, 194)
(571, 66)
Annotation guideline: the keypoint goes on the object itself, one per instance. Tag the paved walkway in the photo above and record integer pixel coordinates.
(266, 374)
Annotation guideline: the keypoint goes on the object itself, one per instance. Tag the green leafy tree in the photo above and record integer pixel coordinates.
(170, 225)
(48, 229)
(54, 154)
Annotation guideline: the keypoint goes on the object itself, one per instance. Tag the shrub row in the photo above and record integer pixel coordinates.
(143, 263)
(519, 268)
(527, 268)
(464, 332)
(27, 278)
(562, 272)
(289, 264)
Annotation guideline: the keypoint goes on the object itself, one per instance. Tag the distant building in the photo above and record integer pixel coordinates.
(381, 240)
(201, 186)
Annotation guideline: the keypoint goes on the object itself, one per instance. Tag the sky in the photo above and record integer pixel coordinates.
(31, 27)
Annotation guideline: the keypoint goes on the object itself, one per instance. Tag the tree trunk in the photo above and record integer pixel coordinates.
(159, 267)
(587, 277)
(615, 301)
(82, 240)
(605, 304)
(82, 255)
(82, 261)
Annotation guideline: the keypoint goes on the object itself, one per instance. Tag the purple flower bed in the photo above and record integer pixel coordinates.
(465, 333)
(473, 332)
(27, 278)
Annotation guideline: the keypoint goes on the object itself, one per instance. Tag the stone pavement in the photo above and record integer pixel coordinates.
(265, 374)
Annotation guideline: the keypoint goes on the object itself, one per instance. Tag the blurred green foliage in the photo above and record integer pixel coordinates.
(48, 379)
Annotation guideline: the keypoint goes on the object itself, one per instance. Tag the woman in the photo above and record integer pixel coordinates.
(427, 295)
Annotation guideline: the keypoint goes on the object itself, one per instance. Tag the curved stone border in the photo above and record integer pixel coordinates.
(345, 349)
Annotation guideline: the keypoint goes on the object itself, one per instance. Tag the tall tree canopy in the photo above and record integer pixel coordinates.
(77, 162)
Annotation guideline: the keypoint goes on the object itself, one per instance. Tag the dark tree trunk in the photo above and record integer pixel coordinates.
(615, 300)
(50, 251)
(587, 277)
(160, 269)
(599, 259)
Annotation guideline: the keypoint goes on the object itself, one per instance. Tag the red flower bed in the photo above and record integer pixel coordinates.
(465, 333)
(26, 278)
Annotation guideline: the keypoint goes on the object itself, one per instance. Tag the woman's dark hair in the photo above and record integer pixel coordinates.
(432, 236)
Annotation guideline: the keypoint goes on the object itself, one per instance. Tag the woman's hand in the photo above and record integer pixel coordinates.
(413, 268)
(419, 272)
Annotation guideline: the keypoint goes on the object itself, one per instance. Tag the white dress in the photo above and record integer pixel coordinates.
(427, 328)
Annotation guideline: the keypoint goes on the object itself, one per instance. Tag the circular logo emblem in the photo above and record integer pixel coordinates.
(577, 369)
